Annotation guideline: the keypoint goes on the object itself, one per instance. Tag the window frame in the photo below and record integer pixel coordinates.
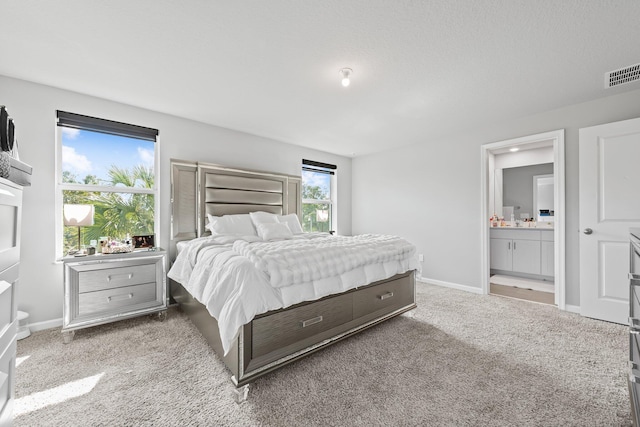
(331, 170)
(61, 186)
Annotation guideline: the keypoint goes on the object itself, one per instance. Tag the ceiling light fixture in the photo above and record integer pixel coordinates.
(514, 149)
(346, 74)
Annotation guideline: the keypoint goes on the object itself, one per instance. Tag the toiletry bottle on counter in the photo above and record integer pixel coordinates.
(513, 220)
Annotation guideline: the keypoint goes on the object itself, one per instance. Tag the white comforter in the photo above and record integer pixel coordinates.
(237, 278)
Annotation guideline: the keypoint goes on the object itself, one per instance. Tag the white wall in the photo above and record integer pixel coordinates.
(34, 108)
(430, 193)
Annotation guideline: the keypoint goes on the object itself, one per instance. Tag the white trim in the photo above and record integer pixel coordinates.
(316, 202)
(559, 220)
(466, 288)
(59, 228)
(157, 193)
(572, 308)
(106, 188)
(47, 324)
(557, 137)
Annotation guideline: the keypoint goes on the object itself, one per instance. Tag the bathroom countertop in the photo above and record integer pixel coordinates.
(521, 228)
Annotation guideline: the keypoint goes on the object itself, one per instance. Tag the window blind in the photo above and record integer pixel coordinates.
(79, 121)
(313, 166)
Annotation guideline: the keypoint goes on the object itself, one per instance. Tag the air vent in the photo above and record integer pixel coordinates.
(622, 76)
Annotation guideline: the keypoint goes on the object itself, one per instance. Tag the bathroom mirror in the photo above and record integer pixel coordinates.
(543, 197)
(512, 188)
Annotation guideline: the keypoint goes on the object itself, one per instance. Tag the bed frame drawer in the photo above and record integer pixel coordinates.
(116, 299)
(383, 298)
(280, 329)
(108, 278)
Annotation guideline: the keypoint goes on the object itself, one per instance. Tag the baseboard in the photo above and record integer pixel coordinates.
(572, 308)
(48, 324)
(444, 284)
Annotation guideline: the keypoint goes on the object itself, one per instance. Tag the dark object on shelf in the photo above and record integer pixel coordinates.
(4, 129)
(7, 130)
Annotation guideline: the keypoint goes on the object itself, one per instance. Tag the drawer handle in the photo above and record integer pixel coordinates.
(119, 276)
(385, 296)
(310, 322)
(119, 297)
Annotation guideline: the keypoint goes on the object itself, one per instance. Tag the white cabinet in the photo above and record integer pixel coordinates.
(526, 256)
(501, 254)
(522, 251)
(547, 266)
(10, 213)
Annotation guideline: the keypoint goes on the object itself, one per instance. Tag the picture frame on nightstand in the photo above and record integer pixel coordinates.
(144, 241)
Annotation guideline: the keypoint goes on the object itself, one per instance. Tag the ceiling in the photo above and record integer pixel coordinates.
(421, 69)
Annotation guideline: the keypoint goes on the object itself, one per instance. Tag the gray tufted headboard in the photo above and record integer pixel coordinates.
(198, 189)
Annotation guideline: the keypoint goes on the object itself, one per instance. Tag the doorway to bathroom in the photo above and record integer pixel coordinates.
(523, 218)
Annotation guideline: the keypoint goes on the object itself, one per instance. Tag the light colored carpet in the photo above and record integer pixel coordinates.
(461, 359)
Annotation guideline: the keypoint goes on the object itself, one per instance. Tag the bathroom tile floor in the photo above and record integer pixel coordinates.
(527, 289)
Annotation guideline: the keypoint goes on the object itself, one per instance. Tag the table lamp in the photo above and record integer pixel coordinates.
(78, 216)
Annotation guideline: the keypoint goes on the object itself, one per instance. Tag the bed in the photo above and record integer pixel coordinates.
(269, 340)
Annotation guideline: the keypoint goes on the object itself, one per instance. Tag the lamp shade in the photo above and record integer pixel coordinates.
(78, 215)
(322, 215)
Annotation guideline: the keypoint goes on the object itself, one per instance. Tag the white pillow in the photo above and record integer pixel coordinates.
(239, 225)
(263, 218)
(292, 221)
(274, 231)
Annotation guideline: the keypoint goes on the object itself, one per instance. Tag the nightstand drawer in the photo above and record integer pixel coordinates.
(91, 303)
(115, 277)
(385, 297)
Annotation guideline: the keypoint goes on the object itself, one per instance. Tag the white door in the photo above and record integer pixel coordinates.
(609, 205)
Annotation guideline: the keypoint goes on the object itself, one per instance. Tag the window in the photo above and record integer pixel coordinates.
(318, 196)
(110, 166)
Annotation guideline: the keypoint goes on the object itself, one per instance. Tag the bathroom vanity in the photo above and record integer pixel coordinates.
(520, 251)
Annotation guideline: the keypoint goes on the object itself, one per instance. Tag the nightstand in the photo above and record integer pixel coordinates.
(103, 288)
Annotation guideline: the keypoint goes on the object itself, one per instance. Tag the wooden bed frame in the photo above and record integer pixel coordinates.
(276, 338)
